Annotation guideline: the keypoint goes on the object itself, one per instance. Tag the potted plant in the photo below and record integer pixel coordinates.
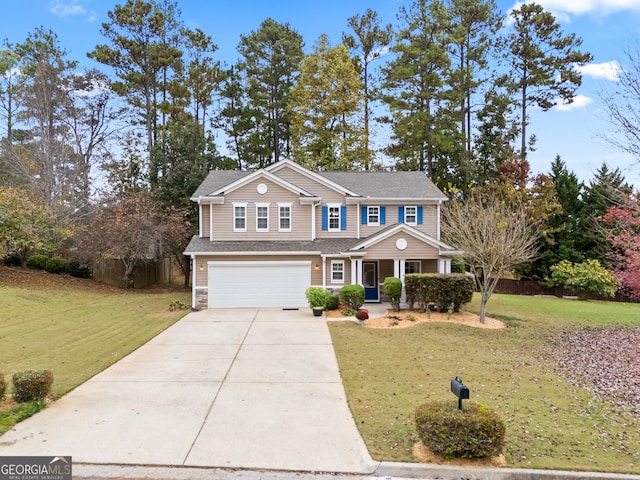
(361, 316)
(317, 298)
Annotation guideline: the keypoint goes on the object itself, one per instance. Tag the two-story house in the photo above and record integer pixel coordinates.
(267, 235)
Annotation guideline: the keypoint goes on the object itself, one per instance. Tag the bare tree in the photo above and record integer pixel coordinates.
(494, 237)
(622, 104)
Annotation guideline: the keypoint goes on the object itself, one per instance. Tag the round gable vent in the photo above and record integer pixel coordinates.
(262, 189)
(401, 244)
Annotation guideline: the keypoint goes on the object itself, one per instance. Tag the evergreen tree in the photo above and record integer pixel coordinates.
(367, 45)
(607, 189)
(423, 128)
(143, 46)
(325, 100)
(541, 61)
(271, 58)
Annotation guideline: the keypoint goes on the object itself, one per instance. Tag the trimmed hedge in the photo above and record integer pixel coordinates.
(474, 432)
(56, 265)
(393, 290)
(32, 385)
(352, 295)
(446, 290)
(37, 262)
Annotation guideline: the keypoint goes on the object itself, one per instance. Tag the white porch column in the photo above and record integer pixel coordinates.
(359, 272)
(396, 269)
(403, 296)
(324, 272)
(444, 265)
(354, 272)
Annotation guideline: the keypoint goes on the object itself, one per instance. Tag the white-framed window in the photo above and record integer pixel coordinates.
(334, 217)
(337, 271)
(373, 215)
(412, 266)
(411, 215)
(284, 217)
(239, 217)
(262, 217)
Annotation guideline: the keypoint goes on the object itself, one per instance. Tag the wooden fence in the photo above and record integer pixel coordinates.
(151, 273)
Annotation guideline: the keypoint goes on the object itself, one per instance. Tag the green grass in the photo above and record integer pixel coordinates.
(550, 424)
(76, 332)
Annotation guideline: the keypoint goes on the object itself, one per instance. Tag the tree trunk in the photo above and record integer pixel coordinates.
(483, 307)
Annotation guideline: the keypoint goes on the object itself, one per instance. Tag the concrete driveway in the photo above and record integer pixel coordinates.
(254, 388)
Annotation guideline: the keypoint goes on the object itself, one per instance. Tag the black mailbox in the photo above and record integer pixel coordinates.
(459, 390)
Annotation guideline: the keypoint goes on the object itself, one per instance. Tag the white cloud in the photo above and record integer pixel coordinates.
(579, 101)
(562, 8)
(71, 8)
(608, 70)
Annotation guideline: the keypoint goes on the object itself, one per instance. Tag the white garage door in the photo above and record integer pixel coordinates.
(258, 284)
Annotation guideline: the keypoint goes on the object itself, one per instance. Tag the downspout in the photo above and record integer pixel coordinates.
(438, 221)
(358, 220)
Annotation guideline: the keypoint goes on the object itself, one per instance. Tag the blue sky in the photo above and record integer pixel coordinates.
(607, 27)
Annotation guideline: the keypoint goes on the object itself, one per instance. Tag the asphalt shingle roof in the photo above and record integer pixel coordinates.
(390, 185)
(322, 245)
(387, 184)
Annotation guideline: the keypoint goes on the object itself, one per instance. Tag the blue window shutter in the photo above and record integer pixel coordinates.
(343, 217)
(400, 214)
(383, 216)
(325, 217)
(419, 215)
(364, 214)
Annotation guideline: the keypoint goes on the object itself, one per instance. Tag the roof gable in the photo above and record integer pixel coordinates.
(256, 176)
(409, 230)
(274, 167)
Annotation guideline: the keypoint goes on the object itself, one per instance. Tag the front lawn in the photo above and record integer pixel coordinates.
(75, 328)
(551, 424)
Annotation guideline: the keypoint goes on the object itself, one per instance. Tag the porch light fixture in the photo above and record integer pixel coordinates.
(316, 266)
(201, 267)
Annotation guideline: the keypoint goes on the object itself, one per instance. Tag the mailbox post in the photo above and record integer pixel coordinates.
(459, 390)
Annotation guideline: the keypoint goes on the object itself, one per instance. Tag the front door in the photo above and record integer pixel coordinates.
(370, 281)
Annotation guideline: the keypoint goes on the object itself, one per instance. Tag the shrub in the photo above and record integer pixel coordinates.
(586, 277)
(393, 290)
(176, 305)
(37, 262)
(447, 291)
(12, 260)
(474, 432)
(32, 385)
(56, 265)
(3, 386)
(317, 296)
(362, 314)
(79, 268)
(352, 295)
(333, 303)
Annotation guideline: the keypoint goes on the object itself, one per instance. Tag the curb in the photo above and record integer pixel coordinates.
(384, 471)
(452, 472)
